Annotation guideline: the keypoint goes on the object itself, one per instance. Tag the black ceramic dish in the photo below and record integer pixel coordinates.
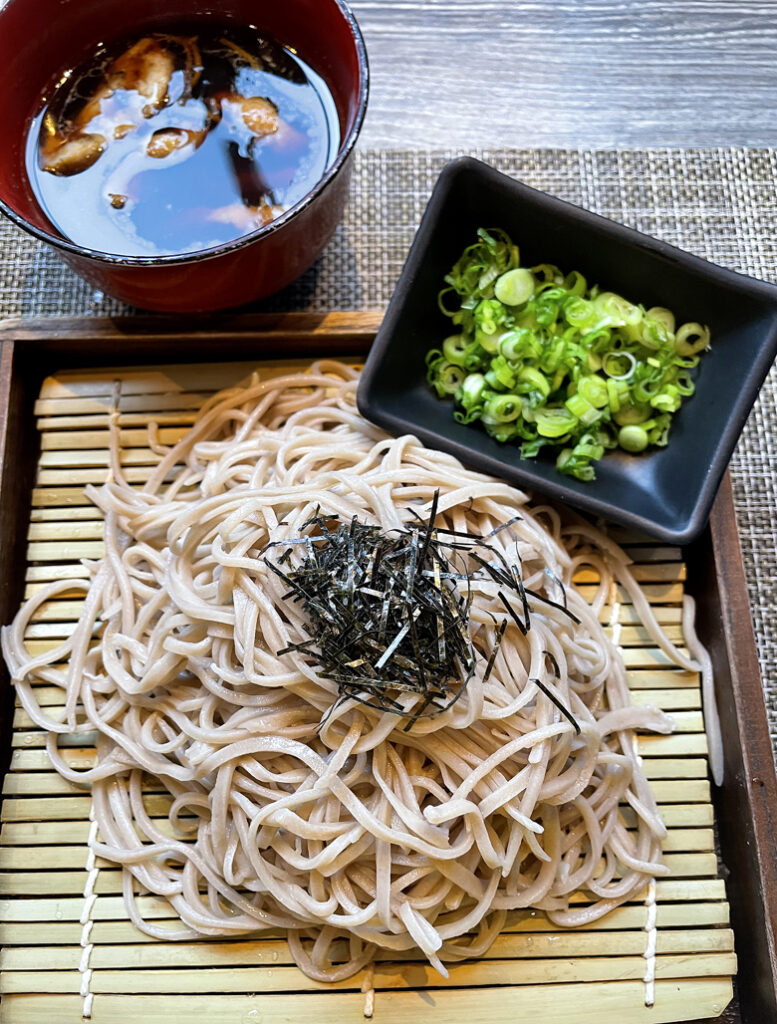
(666, 492)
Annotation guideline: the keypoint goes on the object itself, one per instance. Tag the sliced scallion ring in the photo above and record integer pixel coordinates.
(617, 373)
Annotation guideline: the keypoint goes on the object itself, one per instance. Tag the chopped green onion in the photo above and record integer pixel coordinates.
(594, 390)
(613, 310)
(619, 365)
(575, 283)
(520, 344)
(472, 390)
(503, 408)
(579, 312)
(629, 413)
(546, 273)
(534, 380)
(663, 316)
(454, 348)
(616, 390)
(450, 378)
(633, 438)
(514, 287)
(581, 408)
(691, 338)
(539, 358)
(555, 422)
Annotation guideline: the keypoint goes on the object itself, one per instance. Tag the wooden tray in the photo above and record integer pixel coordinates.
(43, 851)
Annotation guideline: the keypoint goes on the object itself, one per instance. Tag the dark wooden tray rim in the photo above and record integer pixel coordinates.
(746, 804)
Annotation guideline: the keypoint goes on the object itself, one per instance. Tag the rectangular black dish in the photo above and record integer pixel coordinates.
(667, 492)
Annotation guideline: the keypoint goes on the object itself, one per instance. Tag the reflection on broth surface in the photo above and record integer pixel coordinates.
(180, 141)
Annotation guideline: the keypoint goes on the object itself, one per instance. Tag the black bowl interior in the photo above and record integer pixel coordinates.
(667, 492)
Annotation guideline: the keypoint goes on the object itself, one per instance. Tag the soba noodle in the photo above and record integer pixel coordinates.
(356, 835)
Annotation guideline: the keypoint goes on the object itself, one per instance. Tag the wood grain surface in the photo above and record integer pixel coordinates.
(569, 73)
(588, 73)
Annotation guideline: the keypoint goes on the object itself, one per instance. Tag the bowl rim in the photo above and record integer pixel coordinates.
(523, 474)
(200, 255)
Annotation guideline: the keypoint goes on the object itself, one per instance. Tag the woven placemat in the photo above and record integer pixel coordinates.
(720, 204)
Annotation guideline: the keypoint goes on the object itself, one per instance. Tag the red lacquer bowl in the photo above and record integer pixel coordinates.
(39, 40)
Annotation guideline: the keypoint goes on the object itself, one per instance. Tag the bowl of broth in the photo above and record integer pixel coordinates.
(185, 159)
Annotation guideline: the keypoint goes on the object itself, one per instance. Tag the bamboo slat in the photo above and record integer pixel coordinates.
(553, 1004)
(125, 951)
(279, 978)
(588, 974)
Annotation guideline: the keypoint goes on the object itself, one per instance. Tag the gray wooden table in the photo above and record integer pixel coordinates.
(570, 73)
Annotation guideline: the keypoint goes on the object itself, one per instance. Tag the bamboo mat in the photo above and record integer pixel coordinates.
(69, 949)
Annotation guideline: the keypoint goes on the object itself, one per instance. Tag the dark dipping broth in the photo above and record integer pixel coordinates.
(181, 140)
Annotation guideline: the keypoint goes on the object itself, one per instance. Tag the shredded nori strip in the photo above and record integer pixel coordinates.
(557, 702)
(385, 616)
(495, 650)
(554, 664)
(554, 604)
(549, 573)
(512, 613)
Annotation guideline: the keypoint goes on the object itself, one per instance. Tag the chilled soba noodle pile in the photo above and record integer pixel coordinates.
(358, 830)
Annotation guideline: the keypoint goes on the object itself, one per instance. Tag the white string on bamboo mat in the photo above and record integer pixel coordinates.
(651, 930)
(649, 977)
(368, 988)
(86, 922)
